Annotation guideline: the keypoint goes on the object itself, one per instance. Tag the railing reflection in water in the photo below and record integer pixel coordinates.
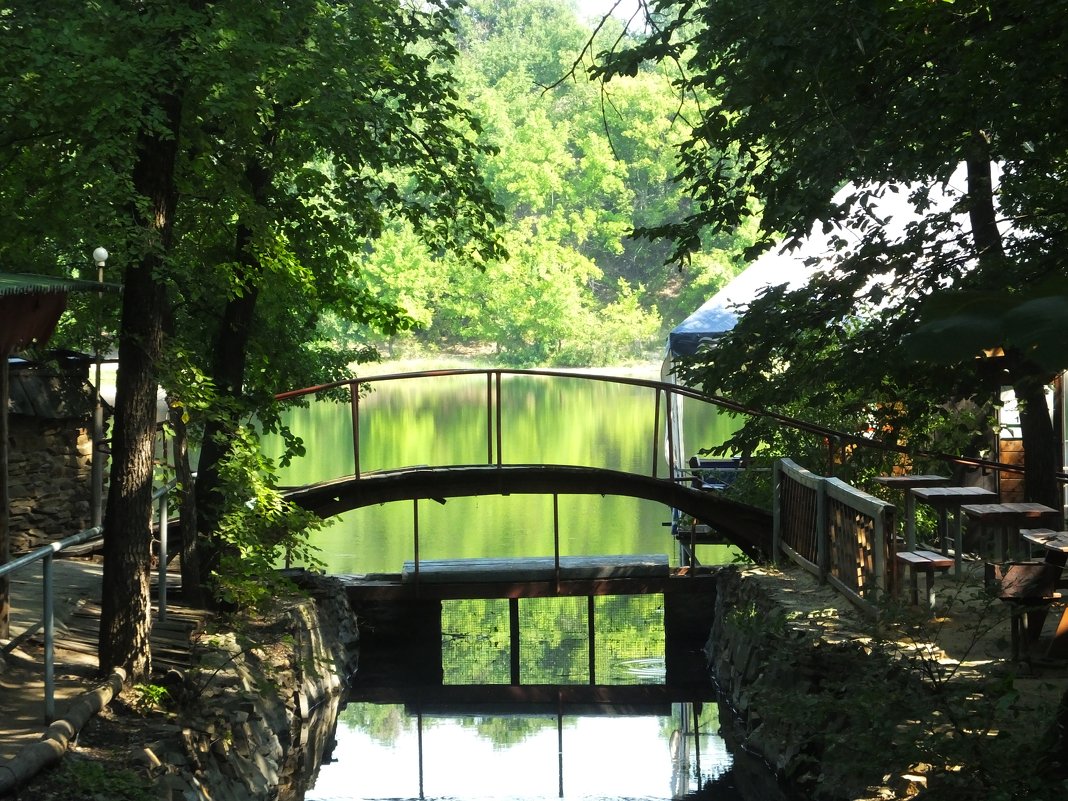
(591, 718)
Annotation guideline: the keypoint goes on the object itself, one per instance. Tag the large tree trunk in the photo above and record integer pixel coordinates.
(229, 360)
(1041, 453)
(1027, 380)
(229, 377)
(125, 619)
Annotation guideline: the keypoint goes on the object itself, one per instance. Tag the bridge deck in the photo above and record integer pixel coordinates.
(525, 582)
(440, 571)
(747, 527)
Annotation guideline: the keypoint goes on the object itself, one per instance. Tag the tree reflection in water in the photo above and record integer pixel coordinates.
(583, 723)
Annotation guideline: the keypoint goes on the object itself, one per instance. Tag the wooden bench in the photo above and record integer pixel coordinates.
(926, 562)
(1030, 589)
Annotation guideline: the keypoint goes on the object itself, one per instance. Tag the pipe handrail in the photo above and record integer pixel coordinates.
(162, 495)
(45, 553)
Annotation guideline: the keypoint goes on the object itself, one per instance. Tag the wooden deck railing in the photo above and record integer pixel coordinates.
(840, 534)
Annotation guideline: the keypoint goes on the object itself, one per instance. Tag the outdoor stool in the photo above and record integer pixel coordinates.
(926, 562)
(1030, 589)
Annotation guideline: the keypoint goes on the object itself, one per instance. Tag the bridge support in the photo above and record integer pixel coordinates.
(400, 641)
(687, 624)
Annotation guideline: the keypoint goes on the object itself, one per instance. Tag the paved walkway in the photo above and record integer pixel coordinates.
(22, 672)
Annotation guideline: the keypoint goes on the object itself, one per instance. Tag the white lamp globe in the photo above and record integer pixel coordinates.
(100, 255)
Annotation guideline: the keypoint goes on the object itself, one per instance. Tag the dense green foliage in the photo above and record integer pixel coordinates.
(235, 159)
(910, 100)
(577, 168)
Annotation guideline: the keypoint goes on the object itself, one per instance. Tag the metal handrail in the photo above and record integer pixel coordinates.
(45, 554)
(162, 496)
(840, 438)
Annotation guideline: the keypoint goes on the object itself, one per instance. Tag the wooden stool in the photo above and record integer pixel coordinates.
(926, 562)
(1030, 589)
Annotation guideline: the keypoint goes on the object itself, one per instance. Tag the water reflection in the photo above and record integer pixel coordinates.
(584, 722)
(396, 751)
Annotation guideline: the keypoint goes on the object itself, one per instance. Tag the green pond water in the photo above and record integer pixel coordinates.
(401, 751)
(442, 420)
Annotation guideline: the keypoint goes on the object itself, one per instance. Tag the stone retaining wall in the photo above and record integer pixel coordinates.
(804, 688)
(259, 711)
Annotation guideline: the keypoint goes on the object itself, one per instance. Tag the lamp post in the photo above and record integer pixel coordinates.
(100, 256)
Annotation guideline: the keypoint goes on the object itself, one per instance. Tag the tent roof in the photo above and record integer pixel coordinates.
(26, 284)
(720, 313)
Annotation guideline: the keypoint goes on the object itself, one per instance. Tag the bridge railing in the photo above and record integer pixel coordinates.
(842, 535)
(661, 445)
(660, 439)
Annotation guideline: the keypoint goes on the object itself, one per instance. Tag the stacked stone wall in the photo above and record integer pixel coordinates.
(259, 711)
(49, 468)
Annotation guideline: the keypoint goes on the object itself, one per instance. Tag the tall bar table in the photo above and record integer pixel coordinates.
(1006, 519)
(907, 483)
(950, 499)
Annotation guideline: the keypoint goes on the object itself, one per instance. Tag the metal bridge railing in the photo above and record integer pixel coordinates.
(664, 394)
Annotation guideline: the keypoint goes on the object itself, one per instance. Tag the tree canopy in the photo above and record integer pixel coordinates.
(807, 96)
(235, 159)
(576, 169)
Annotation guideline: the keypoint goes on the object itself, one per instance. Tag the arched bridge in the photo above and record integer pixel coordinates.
(747, 527)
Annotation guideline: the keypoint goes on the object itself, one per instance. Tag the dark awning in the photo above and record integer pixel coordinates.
(30, 306)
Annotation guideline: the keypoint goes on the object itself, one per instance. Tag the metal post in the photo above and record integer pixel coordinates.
(354, 401)
(669, 418)
(415, 534)
(489, 418)
(556, 540)
(96, 465)
(656, 434)
(499, 459)
(49, 639)
(162, 579)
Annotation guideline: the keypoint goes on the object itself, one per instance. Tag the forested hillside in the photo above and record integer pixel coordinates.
(577, 168)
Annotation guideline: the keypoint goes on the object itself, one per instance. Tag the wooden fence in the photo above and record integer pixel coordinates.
(840, 534)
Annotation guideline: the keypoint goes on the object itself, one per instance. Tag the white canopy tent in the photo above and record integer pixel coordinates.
(719, 314)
